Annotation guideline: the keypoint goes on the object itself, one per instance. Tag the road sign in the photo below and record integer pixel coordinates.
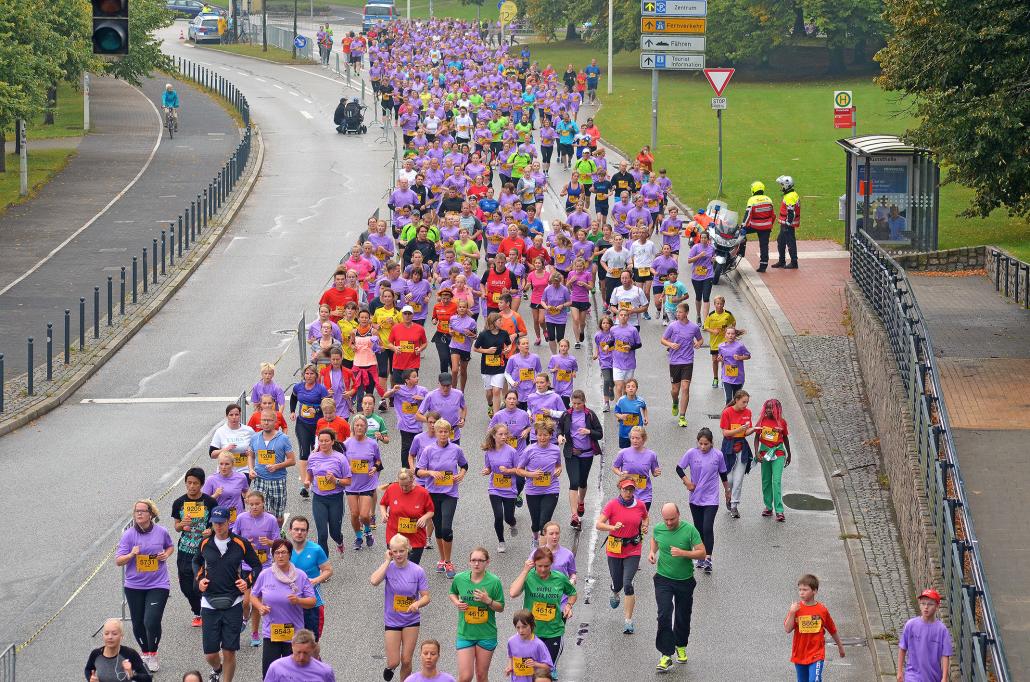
(674, 8)
(718, 102)
(718, 79)
(843, 117)
(672, 43)
(508, 11)
(842, 99)
(653, 25)
(299, 42)
(672, 62)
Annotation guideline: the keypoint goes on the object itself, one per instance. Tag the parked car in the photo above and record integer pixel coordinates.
(204, 28)
(377, 11)
(191, 8)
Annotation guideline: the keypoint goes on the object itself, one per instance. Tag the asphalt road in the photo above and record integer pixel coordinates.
(316, 190)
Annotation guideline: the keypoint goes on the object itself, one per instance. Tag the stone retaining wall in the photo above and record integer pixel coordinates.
(950, 260)
(886, 393)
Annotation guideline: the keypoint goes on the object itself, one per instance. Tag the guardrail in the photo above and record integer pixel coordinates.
(7, 661)
(973, 624)
(1011, 276)
(139, 281)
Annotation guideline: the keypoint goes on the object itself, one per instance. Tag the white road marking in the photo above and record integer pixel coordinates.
(306, 114)
(76, 233)
(146, 401)
(166, 196)
(147, 379)
(308, 101)
(294, 93)
(260, 80)
(332, 80)
(277, 86)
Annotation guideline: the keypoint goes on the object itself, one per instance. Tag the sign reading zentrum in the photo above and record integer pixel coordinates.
(674, 8)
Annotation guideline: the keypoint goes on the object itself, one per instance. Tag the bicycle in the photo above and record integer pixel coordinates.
(171, 121)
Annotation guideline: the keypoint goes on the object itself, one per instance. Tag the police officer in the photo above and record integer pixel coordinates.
(758, 218)
(790, 219)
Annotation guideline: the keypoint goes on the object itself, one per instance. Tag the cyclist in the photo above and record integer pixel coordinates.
(170, 104)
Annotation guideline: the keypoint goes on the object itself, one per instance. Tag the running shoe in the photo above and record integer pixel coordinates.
(372, 525)
(683, 421)
(382, 405)
(665, 321)
(575, 522)
(781, 518)
(715, 382)
(581, 509)
(441, 566)
(681, 654)
(537, 342)
(370, 540)
(197, 622)
(501, 548)
(304, 492)
(153, 665)
(449, 570)
(255, 639)
(340, 548)
(767, 512)
(429, 542)
(536, 541)
(387, 674)
(647, 316)
(664, 663)
(489, 412)
(215, 676)
(627, 628)
(699, 319)
(733, 512)
(614, 600)
(357, 543)
(518, 500)
(607, 407)
(578, 345)
(708, 566)
(513, 529)
(675, 408)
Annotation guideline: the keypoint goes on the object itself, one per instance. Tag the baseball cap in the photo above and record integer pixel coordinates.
(627, 483)
(407, 309)
(220, 515)
(444, 378)
(931, 594)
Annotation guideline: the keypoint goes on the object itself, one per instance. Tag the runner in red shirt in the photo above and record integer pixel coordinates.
(407, 341)
(809, 620)
(339, 296)
(267, 403)
(625, 521)
(499, 280)
(407, 509)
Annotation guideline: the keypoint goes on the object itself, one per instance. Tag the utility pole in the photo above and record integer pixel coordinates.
(654, 109)
(235, 23)
(85, 100)
(264, 25)
(610, 16)
(24, 189)
(294, 29)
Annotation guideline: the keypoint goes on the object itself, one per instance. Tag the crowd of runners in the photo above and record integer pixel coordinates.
(466, 271)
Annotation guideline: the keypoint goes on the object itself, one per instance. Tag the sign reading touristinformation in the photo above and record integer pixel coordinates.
(674, 61)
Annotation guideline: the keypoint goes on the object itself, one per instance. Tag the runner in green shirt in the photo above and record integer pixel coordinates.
(674, 546)
(544, 590)
(518, 161)
(586, 167)
(479, 596)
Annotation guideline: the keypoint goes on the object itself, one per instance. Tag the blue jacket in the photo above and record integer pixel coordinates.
(170, 99)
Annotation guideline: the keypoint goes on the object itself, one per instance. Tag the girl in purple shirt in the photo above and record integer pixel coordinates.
(327, 475)
(563, 367)
(707, 468)
(528, 657)
(521, 371)
(557, 300)
(541, 466)
(499, 462)
(463, 333)
(603, 343)
(365, 462)
(638, 464)
(144, 550)
(445, 464)
(543, 403)
(579, 282)
(732, 354)
(417, 296)
(227, 486)
(407, 593)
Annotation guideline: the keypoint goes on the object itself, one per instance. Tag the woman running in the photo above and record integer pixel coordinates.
(638, 464)
(625, 520)
(528, 657)
(328, 476)
(772, 447)
(261, 529)
(732, 354)
(366, 366)
(365, 463)
(443, 311)
(233, 437)
(564, 367)
(407, 593)
(191, 513)
(429, 658)
(735, 423)
(580, 436)
(543, 590)
(308, 394)
(536, 281)
(228, 486)
(143, 551)
(557, 299)
(521, 371)
(707, 467)
(280, 595)
(603, 345)
(716, 323)
(579, 281)
(463, 333)
(478, 595)
(444, 463)
(500, 460)
(541, 466)
(681, 338)
(407, 395)
(494, 345)
(543, 403)
(702, 274)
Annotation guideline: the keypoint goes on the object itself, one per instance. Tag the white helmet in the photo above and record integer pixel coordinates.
(785, 182)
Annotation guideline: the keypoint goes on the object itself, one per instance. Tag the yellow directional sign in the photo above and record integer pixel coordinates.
(655, 25)
(649, 6)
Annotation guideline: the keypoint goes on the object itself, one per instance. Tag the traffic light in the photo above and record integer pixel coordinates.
(110, 27)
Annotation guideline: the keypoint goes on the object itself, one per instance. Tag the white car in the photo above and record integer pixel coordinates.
(204, 28)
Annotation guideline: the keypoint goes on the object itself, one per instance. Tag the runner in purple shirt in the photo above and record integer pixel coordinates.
(429, 656)
(406, 398)
(521, 371)
(445, 464)
(227, 485)
(543, 403)
(449, 402)
(672, 228)
(924, 650)
(516, 419)
(541, 466)
(702, 273)
(528, 657)
(499, 464)
(365, 463)
(732, 354)
(143, 551)
(557, 300)
(563, 367)
(604, 343)
(280, 595)
(681, 338)
(407, 593)
(638, 464)
(301, 665)
(707, 468)
(580, 281)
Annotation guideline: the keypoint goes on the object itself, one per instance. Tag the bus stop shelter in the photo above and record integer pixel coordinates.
(893, 192)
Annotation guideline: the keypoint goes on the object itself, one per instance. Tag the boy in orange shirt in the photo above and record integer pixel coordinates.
(810, 621)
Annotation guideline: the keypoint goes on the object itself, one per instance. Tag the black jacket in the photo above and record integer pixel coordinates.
(224, 569)
(338, 115)
(593, 423)
(622, 182)
(140, 673)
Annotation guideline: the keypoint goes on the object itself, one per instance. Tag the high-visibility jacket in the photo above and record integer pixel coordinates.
(790, 210)
(759, 214)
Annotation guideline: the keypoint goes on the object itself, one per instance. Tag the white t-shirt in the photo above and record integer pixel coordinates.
(432, 123)
(239, 437)
(409, 175)
(616, 260)
(634, 297)
(464, 127)
(643, 254)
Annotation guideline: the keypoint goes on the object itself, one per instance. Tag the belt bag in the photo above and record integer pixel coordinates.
(221, 602)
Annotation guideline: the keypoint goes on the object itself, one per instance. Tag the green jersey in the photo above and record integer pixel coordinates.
(684, 537)
(497, 128)
(518, 162)
(542, 598)
(478, 621)
(586, 169)
(376, 425)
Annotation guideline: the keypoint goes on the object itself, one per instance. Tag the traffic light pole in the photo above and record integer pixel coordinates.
(654, 109)
(295, 29)
(24, 189)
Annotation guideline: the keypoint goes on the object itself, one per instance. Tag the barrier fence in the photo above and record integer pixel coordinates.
(7, 661)
(1011, 276)
(141, 280)
(974, 629)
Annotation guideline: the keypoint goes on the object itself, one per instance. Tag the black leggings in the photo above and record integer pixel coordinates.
(146, 607)
(184, 562)
(407, 437)
(578, 469)
(541, 509)
(305, 439)
(272, 651)
(443, 350)
(504, 512)
(622, 571)
(704, 521)
(443, 515)
(555, 332)
(327, 511)
(554, 646)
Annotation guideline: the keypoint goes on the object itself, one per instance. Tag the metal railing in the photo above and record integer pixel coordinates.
(140, 281)
(7, 661)
(974, 628)
(1011, 276)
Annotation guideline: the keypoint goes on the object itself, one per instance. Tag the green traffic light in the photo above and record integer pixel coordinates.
(108, 39)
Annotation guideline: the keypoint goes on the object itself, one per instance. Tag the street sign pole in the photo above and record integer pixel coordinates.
(854, 121)
(610, 17)
(718, 115)
(24, 179)
(654, 109)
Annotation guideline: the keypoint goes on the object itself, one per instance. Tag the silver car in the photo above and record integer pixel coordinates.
(204, 28)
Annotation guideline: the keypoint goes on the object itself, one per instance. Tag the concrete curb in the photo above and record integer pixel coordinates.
(778, 327)
(299, 62)
(103, 352)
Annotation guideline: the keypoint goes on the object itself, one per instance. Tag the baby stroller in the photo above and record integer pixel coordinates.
(349, 117)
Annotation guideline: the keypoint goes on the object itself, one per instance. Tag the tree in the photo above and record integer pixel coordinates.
(747, 31)
(850, 24)
(479, 8)
(26, 66)
(144, 49)
(966, 67)
(71, 20)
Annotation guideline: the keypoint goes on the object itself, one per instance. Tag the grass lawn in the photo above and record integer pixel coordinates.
(769, 129)
(67, 117)
(273, 54)
(43, 165)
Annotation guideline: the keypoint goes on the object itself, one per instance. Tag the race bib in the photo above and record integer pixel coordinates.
(146, 563)
(542, 481)
(502, 481)
(475, 615)
(266, 457)
(262, 556)
(239, 459)
(526, 375)
(810, 625)
(325, 484)
(614, 545)
(625, 305)
(307, 411)
(770, 434)
(559, 258)
(701, 270)
(493, 361)
(495, 297)
(401, 603)
(552, 309)
(495, 238)
(621, 346)
(193, 510)
(359, 466)
(631, 420)
(614, 273)
(732, 370)
(670, 290)
(406, 525)
(446, 479)
(281, 632)
(643, 272)
(232, 514)
(458, 338)
(444, 327)
(409, 408)
(564, 375)
(543, 611)
(640, 481)
(513, 441)
(416, 307)
(520, 668)
(407, 347)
